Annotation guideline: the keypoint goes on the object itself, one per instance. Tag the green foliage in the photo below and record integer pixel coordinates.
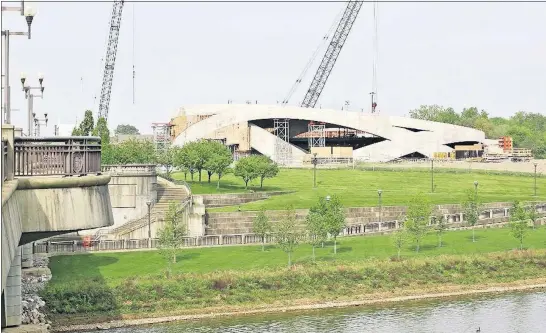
(471, 210)
(287, 234)
(218, 161)
(316, 224)
(265, 168)
(417, 218)
(87, 125)
(76, 131)
(440, 226)
(133, 152)
(533, 214)
(171, 234)
(86, 296)
(247, 168)
(261, 226)
(101, 130)
(334, 219)
(519, 220)
(527, 129)
(166, 158)
(399, 238)
(126, 129)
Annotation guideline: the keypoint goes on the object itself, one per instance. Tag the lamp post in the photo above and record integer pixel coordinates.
(30, 97)
(314, 170)
(327, 198)
(379, 199)
(476, 188)
(535, 164)
(38, 122)
(432, 175)
(149, 204)
(29, 14)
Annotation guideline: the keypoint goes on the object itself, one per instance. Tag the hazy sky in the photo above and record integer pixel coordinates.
(489, 55)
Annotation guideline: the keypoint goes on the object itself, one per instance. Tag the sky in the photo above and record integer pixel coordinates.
(488, 55)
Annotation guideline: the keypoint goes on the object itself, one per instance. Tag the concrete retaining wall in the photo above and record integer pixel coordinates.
(128, 194)
(232, 199)
(241, 222)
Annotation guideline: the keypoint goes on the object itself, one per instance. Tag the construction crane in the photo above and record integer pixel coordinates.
(330, 57)
(110, 60)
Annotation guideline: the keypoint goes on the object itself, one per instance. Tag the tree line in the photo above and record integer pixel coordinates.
(528, 130)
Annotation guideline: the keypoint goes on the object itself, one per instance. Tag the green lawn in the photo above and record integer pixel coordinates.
(359, 188)
(116, 267)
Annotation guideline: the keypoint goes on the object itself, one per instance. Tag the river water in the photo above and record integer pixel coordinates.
(506, 313)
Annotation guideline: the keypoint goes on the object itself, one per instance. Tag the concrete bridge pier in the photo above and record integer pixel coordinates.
(27, 257)
(11, 296)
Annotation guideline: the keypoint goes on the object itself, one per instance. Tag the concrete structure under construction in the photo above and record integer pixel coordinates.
(292, 135)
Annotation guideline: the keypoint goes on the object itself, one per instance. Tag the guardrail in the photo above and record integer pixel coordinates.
(4, 159)
(53, 156)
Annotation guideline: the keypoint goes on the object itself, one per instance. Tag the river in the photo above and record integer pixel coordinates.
(505, 313)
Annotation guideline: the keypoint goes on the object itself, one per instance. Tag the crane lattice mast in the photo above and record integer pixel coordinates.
(110, 60)
(332, 53)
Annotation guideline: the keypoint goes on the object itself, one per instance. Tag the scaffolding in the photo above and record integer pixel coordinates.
(162, 135)
(316, 134)
(281, 129)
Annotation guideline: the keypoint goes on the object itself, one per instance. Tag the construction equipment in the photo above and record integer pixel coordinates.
(110, 60)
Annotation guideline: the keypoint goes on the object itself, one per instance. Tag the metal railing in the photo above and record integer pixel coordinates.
(4, 159)
(52, 156)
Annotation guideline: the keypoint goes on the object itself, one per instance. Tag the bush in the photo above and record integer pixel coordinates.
(79, 298)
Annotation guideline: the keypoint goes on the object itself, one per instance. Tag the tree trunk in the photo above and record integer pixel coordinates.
(185, 176)
(289, 259)
(473, 236)
(261, 182)
(174, 258)
(263, 243)
(521, 244)
(313, 253)
(246, 184)
(440, 245)
(417, 250)
(398, 253)
(218, 183)
(210, 175)
(335, 245)
(199, 175)
(191, 173)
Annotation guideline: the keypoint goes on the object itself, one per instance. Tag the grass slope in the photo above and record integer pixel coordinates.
(359, 188)
(115, 267)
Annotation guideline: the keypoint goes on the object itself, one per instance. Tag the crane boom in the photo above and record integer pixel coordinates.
(328, 61)
(110, 60)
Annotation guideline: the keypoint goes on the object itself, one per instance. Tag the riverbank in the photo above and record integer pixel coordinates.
(373, 299)
(86, 299)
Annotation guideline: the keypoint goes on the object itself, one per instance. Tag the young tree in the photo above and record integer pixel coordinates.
(87, 125)
(261, 226)
(533, 214)
(399, 237)
(471, 209)
(186, 158)
(440, 227)
(101, 129)
(266, 168)
(519, 220)
(171, 235)
(202, 151)
(246, 168)
(166, 159)
(126, 129)
(334, 218)
(316, 225)
(417, 218)
(219, 161)
(286, 233)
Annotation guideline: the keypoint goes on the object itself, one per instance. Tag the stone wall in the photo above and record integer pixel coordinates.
(375, 218)
(230, 199)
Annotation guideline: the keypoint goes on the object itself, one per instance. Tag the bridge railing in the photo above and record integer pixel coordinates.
(53, 156)
(4, 159)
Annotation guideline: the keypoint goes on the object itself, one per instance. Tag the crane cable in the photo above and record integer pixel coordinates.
(375, 53)
(325, 39)
(133, 53)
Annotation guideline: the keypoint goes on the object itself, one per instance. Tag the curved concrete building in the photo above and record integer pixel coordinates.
(289, 135)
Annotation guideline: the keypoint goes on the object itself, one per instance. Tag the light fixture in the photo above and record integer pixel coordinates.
(327, 198)
(379, 192)
(29, 16)
(41, 78)
(23, 78)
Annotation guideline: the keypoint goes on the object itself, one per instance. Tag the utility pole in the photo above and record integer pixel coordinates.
(30, 98)
(374, 104)
(432, 175)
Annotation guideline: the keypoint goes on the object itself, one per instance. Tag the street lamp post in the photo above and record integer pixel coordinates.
(29, 14)
(314, 170)
(432, 175)
(30, 97)
(149, 204)
(379, 192)
(535, 164)
(38, 122)
(476, 187)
